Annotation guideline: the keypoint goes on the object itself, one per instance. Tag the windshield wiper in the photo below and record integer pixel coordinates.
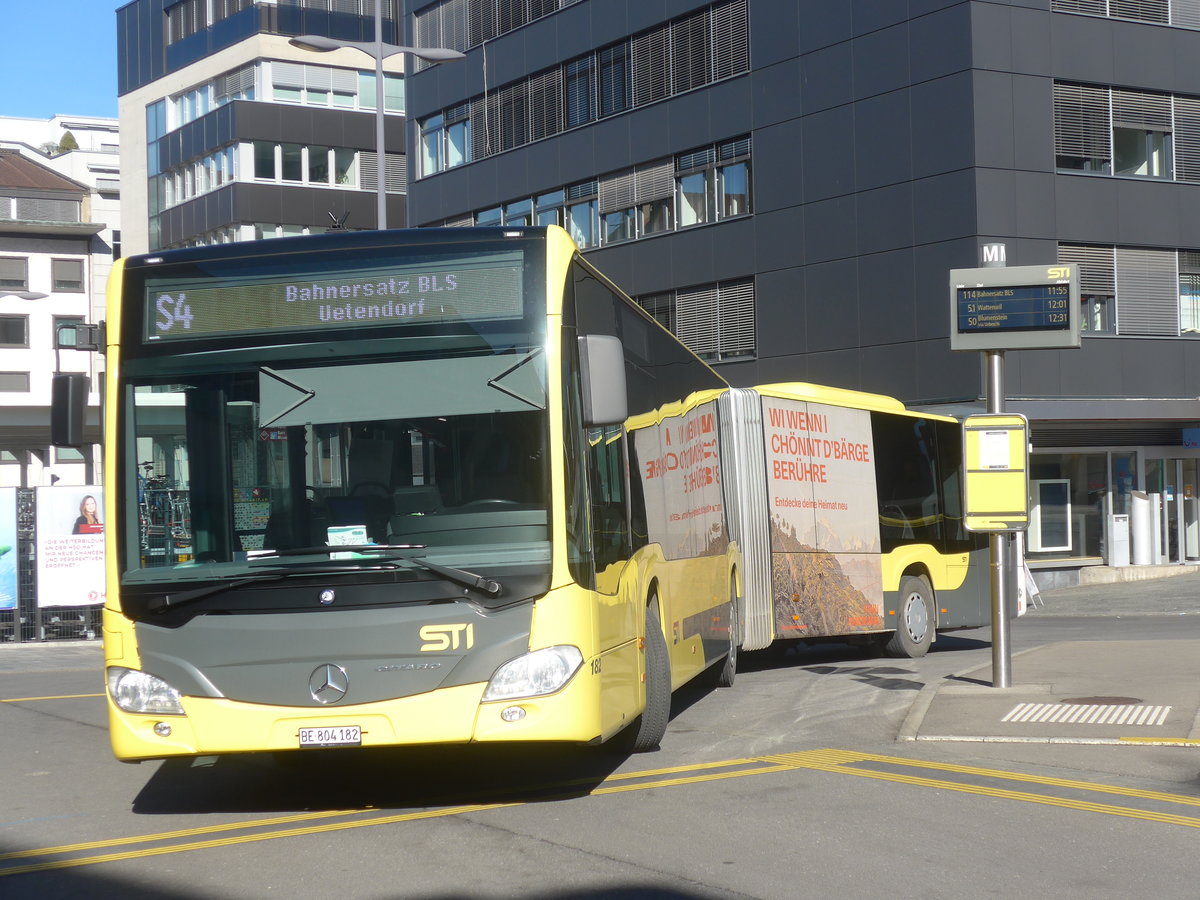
(395, 553)
(183, 598)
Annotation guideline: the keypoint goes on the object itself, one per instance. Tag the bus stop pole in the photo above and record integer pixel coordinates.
(998, 547)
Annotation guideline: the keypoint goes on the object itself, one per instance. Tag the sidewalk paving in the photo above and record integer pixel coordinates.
(1080, 692)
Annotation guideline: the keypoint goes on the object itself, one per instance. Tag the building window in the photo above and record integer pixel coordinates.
(715, 321)
(14, 273)
(678, 56)
(695, 194)
(1130, 133)
(67, 275)
(1189, 292)
(14, 382)
(14, 331)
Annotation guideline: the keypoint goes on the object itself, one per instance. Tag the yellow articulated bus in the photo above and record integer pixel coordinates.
(408, 487)
(848, 510)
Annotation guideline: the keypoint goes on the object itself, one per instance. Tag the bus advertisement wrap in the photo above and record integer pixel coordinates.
(70, 546)
(824, 521)
(680, 466)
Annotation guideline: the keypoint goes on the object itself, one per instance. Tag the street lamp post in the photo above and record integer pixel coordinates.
(379, 51)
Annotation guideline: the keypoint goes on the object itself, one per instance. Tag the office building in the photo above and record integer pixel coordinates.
(787, 185)
(56, 245)
(231, 133)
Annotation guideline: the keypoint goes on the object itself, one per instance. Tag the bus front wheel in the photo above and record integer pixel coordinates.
(916, 619)
(648, 729)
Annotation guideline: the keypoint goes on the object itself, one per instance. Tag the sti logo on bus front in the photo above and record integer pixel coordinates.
(447, 637)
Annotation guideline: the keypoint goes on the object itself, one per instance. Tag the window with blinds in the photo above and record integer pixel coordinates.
(681, 55)
(14, 273)
(1137, 291)
(1183, 13)
(706, 184)
(67, 275)
(715, 321)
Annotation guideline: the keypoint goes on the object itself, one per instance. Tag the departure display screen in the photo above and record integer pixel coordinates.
(474, 287)
(1020, 308)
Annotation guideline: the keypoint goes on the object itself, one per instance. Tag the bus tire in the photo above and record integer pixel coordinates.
(916, 619)
(647, 731)
(722, 674)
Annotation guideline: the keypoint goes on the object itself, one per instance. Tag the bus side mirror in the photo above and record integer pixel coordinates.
(602, 374)
(68, 400)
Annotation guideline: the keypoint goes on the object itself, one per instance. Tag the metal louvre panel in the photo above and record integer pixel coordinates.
(691, 63)
(582, 190)
(510, 15)
(1095, 7)
(484, 116)
(345, 81)
(734, 149)
(730, 39)
(397, 173)
(1139, 109)
(30, 209)
(427, 26)
(736, 309)
(1081, 121)
(1097, 267)
(651, 58)
(1142, 10)
(616, 191)
(318, 78)
(654, 181)
(368, 170)
(285, 74)
(697, 159)
(1147, 292)
(696, 319)
(454, 25)
(1186, 13)
(513, 118)
(481, 22)
(744, 477)
(1100, 434)
(1189, 262)
(464, 222)
(1187, 138)
(545, 104)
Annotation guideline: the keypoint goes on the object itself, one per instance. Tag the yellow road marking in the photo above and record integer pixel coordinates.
(841, 762)
(60, 697)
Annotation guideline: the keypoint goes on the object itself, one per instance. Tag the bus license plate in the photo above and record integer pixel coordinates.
(336, 736)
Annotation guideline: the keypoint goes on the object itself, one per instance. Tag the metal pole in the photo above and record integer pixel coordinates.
(381, 172)
(998, 547)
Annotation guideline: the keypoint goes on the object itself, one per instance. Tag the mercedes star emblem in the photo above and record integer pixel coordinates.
(328, 683)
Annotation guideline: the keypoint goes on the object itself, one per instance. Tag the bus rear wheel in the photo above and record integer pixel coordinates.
(916, 619)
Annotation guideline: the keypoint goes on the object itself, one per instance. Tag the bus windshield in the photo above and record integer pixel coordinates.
(448, 453)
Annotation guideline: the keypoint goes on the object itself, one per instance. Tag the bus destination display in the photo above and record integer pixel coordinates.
(1045, 307)
(479, 288)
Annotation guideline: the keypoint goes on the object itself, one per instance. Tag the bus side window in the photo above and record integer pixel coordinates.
(606, 469)
(905, 475)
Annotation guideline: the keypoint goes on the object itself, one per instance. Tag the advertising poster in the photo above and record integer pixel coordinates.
(8, 548)
(825, 569)
(680, 467)
(70, 546)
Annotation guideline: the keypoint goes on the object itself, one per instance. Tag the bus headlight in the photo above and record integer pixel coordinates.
(534, 674)
(139, 692)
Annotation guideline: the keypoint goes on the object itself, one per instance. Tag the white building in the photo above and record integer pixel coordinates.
(59, 234)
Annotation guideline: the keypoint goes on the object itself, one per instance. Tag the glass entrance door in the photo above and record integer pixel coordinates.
(1175, 483)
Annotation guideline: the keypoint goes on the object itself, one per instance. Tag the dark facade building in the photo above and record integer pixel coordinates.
(787, 184)
(231, 133)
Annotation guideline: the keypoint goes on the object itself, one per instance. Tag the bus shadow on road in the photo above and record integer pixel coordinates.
(375, 779)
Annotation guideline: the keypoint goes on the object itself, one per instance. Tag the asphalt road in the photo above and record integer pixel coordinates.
(790, 784)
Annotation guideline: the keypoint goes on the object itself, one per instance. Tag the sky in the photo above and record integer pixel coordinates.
(60, 57)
